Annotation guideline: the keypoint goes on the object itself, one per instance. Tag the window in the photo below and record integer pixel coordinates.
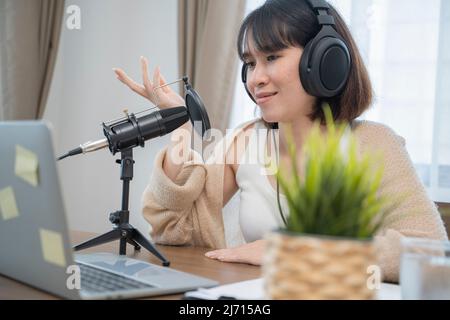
(408, 58)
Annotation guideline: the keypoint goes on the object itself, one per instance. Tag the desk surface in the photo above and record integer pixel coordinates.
(187, 259)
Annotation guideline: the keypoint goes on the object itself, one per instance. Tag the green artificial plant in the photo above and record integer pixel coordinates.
(338, 193)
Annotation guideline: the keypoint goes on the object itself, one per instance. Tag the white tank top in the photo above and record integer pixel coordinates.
(258, 212)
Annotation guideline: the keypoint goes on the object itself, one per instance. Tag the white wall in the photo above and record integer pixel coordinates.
(85, 92)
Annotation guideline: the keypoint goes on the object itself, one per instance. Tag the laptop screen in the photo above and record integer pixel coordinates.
(34, 242)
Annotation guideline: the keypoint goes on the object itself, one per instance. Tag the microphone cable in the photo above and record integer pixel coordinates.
(278, 181)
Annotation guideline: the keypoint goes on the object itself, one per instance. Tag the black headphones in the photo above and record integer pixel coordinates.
(325, 64)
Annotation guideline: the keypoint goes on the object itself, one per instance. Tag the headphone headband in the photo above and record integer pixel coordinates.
(320, 8)
(318, 4)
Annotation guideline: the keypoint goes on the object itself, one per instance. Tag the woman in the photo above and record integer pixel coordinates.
(183, 203)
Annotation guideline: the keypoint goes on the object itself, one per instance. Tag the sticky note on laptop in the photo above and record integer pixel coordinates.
(8, 204)
(27, 165)
(52, 247)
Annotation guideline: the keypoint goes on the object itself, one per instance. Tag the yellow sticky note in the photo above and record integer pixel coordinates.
(52, 247)
(8, 204)
(26, 166)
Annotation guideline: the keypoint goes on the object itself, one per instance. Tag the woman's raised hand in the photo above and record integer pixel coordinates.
(163, 97)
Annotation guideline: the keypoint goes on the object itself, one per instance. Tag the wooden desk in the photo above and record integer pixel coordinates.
(187, 259)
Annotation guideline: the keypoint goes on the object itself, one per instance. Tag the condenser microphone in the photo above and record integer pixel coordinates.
(131, 131)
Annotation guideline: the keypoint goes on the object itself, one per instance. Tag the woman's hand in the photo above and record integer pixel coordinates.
(250, 253)
(162, 97)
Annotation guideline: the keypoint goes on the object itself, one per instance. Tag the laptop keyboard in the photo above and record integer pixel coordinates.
(98, 280)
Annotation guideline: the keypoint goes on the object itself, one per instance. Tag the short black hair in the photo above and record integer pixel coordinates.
(277, 25)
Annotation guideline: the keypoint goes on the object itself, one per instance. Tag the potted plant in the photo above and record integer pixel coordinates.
(334, 211)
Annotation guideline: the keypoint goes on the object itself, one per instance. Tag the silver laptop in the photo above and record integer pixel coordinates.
(34, 240)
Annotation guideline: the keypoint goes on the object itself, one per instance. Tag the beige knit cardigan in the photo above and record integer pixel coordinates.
(189, 210)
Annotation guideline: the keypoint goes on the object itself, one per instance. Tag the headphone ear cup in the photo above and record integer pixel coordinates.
(244, 81)
(244, 73)
(324, 71)
(305, 71)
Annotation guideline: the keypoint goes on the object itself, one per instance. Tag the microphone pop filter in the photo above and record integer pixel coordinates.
(197, 111)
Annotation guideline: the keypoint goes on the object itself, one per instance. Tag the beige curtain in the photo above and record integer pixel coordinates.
(207, 50)
(29, 38)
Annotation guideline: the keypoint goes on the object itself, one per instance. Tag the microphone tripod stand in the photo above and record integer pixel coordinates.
(123, 230)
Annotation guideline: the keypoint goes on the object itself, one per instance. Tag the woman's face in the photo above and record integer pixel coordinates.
(273, 80)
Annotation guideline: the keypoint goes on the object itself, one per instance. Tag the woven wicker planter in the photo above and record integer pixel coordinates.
(320, 268)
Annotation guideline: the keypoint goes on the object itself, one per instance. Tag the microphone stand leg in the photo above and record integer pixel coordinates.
(134, 244)
(140, 239)
(104, 238)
